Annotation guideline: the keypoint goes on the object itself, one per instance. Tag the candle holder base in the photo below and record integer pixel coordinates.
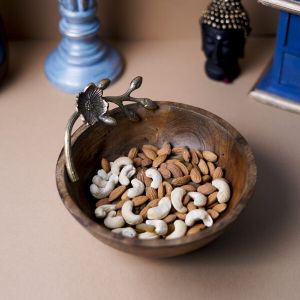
(72, 73)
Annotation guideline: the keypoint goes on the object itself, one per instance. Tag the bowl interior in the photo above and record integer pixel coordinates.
(175, 123)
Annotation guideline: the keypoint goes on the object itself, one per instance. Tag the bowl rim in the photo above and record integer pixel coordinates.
(96, 229)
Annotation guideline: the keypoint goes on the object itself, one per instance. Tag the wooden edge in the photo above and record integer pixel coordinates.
(100, 232)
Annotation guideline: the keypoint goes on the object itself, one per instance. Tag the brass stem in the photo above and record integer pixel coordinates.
(68, 153)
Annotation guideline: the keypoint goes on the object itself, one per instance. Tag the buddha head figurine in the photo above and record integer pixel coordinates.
(225, 27)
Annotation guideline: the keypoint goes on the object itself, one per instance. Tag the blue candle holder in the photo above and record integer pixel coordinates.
(81, 57)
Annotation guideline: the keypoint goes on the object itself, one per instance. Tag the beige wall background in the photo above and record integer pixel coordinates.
(127, 19)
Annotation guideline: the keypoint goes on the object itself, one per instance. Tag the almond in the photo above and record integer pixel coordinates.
(147, 180)
(139, 200)
(151, 193)
(165, 173)
(195, 175)
(186, 200)
(189, 166)
(137, 161)
(178, 150)
(189, 188)
(150, 153)
(179, 181)
(151, 147)
(105, 165)
(186, 155)
(141, 175)
(146, 162)
(195, 158)
(182, 167)
(218, 173)
(117, 192)
(144, 227)
(195, 229)
(203, 167)
(175, 170)
(213, 213)
(168, 188)
(165, 149)
(132, 153)
(102, 202)
(212, 198)
(159, 160)
(180, 216)
(161, 191)
(206, 188)
(220, 207)
(199, 154)
(206, 178)
(191, 206)
(171, 228)
(210, 156)
(211, 168)
(120, 203)
(170, 218)
(125, 196)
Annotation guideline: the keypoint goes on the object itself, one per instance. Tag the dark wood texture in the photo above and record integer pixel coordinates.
(178, 124)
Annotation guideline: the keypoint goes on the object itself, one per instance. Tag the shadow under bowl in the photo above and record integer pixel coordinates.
(178, 124)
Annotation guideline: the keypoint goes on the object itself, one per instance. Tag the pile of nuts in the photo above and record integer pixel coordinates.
(160, 193)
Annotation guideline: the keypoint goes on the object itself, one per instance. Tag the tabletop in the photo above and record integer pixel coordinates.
(46, 254)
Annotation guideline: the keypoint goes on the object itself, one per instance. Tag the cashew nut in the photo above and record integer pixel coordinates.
(198, 214)
(129, 216)
(155, 175)
(101, 173)
(160, 211)
(101, 192)
(199, 198)
(179, 231)
(101, 211)
(161, 227)
(176, 199)
(224, 189)
(126, 231)
(127, 172)
(118, 163)
(99, 181)
(113, 221)
(148, 236)
(137, 189)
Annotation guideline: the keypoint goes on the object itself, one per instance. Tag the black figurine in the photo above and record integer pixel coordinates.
(225, 27)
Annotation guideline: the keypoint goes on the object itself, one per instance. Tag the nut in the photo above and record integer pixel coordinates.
(186, 155)
(151, 147)
(212, 198)
(151, 193)
(213, 213)
(126, 232)
(210, 156)
(195, 229)
(170, 218)
(126, 173)
(144, 227)
(206, 178)
(206, 188)
(129, 217)
(175, 170)
(166, 174)
(161, 227)
(195, 175)
(120, 203)
(196, 215)
(224, 189)
(102, 192)
(105, 165)
(189, 188)
(160, 211)
(186, 199)
(220, 207)
(218, 173)
(102, 202)
(181, 180)
(182, 167)
(133, 153)
(161, 191)
(203, 167)
(159, 160)
(195, 158)
(150, 153)
(146, 162)
(117, 192)
(113, 221)
(137, 189)
(176, 199)
(165, 149)
(168, 188)
(199, 199)
(155, 176)
(148, 236)
(139, 200)
(180, 216)
(179, 231)
(191, 206)
(103, 210)
(118, 163)
(137, 161)
(152, 203)
(211, 168)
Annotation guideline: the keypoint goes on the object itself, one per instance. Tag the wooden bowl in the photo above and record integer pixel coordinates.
(178, 124)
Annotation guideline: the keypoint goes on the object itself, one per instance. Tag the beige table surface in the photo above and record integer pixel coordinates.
(46, 254)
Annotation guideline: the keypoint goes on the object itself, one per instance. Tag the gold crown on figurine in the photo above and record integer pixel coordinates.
(226, 14)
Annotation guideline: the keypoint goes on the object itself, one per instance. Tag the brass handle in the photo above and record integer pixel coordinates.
(92, 107)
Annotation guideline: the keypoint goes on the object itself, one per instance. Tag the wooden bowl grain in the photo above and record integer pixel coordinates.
(178, 124)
